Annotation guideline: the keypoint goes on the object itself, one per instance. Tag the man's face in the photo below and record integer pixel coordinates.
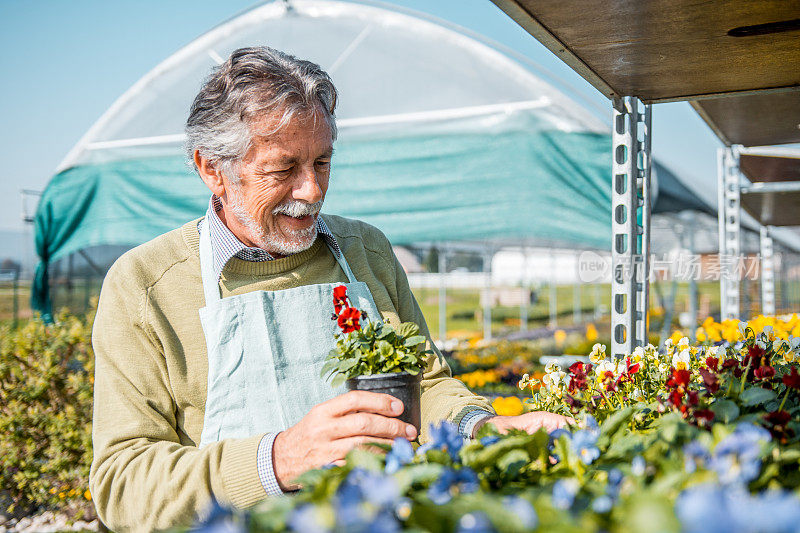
(283, 181)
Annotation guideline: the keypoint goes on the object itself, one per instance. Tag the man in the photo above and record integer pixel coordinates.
(209, 339)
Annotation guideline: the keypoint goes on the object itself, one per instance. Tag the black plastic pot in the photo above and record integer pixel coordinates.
(402, 385)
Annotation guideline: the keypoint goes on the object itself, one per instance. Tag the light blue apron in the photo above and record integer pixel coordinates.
(266, 350)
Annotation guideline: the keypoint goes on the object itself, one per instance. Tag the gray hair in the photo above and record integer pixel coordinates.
(251, 83)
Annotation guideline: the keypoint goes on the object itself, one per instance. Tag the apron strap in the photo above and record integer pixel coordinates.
(210, 284)
(342, 260)
(211, 288)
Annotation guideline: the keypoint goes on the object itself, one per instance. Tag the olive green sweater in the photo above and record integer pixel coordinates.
(151, 372)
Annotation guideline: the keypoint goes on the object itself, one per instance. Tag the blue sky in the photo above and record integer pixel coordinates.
(65, 62)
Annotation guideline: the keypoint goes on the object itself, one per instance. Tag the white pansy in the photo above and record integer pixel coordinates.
(768, 332)
(637, 395)
(742, 327)
(683, 343)
(682, 360)
(552, 367)
(598, 353)
(553, 382)
(638, 354)
(603, 367)
(714, 351)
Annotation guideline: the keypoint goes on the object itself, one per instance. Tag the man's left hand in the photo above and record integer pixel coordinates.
(530, 422)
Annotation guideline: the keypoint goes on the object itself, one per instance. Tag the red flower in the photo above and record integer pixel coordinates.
(576, 368)
(679, 378)
(348, 319)
(778, 418)
(764, 373)
(704, 417)
(709, 380)
(755, 351)
(730, 363)
(340, 298)
(792, 379)
(631, 368)
(712, 363)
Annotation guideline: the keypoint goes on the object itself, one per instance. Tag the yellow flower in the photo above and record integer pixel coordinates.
(682, 360)
(87, 495)
(591, 333)
(701, 335)
(560, 336)
(511, 406)
(676, 336)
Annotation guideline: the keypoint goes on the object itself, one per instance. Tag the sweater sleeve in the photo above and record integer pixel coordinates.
(142, 478)
(443, 397)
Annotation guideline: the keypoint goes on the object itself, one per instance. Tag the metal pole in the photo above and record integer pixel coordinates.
(630, 197)
(525, 297)
(442, 294)
(767, 273)
(487, 303)
(729, 228)
(553, 296)
(692, 279)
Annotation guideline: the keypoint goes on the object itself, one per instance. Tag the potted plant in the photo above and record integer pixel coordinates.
(372, 355)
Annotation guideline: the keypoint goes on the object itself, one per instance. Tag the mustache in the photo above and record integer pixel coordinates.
(297, 208)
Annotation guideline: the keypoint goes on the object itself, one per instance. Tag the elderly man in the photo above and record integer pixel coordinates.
(209, 339)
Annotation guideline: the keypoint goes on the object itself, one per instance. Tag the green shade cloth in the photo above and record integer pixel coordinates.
(546, 185)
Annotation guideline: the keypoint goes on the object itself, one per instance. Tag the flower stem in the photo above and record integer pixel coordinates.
(744, 375)
(783, 402)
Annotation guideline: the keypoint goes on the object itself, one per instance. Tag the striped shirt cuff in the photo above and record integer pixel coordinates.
(266, 472)
(468, 421)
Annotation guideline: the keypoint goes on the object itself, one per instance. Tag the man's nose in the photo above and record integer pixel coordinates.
(308, 190)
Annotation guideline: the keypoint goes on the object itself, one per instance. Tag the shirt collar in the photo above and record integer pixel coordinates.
(225, 245)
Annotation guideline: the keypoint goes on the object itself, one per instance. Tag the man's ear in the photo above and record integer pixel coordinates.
(210, 174)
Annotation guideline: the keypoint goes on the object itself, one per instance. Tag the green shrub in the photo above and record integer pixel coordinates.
(46, 380)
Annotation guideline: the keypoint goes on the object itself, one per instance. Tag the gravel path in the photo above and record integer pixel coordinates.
(47, 522)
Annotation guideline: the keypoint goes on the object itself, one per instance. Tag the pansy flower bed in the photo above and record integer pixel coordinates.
(692, 437)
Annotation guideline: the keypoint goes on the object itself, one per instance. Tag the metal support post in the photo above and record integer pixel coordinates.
(729, 231)
(692, 279)
(525, 296)
(630, 223)
(552, 300)
(442, 295)
(767, 273)
(487, 303)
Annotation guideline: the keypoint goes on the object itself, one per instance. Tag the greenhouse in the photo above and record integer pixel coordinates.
(559, 332)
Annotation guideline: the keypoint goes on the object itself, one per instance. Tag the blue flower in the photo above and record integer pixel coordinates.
(476, 522)
(564, 491)
(489, 440)
(583, 444)
(522, 509)
(703, 509)
(737, 459)
(401, 454)
(638, 466)
(444, 437)
(363, 485)
(220, 520)
(615, 478)
(717, 508)
(694, 455)
(602, 504)
(307, 520)
(591, 425)
(451, 482)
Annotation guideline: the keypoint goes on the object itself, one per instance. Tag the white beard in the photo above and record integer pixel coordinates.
(295, 241)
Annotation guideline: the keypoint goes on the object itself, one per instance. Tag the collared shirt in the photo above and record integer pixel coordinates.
(224, 246)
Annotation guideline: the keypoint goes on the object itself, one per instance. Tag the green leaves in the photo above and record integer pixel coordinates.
(725, 411)
(377, 348)
(756, 396)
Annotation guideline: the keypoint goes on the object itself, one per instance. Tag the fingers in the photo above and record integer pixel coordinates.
(362, 401)
(344, 446)
(371, 425)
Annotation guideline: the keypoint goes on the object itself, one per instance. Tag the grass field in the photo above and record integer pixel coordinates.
(464, 313)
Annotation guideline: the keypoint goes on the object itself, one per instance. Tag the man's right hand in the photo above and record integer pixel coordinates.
(333, 428)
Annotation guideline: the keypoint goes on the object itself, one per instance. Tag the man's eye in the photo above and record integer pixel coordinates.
(323, 163)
